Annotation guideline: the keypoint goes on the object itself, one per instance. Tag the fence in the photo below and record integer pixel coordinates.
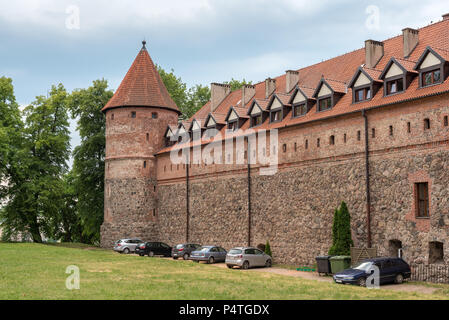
(436, 273)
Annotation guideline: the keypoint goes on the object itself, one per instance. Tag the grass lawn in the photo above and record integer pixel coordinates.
(37, 271)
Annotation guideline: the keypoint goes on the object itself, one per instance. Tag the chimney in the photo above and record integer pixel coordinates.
(410, 40)
(445, 16)
(374, 50)
(218, 92)
(248, 91)
(291, 79)
(270, 87)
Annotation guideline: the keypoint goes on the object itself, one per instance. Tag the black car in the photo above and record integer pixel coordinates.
(184, 250)
(153, 249)
(390, 270)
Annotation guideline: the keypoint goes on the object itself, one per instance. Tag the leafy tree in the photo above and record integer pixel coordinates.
(341, 232)
(236, 84)
(35, 184)
(268, 248)
(198, 96)
(88, 163)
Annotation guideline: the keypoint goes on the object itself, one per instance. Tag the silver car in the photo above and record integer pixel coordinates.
(247, 257)
(126, 245)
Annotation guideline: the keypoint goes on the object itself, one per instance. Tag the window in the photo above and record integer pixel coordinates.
(373, 133)
(154, 212)
(344, 138)
(256, 120)
(409, 127)
(359, 135)
(426, 124)
(324, 104)
(332, 140)
(112, 116)
(154, 115)
(144, 164)
(395, 86)
(299, 110)
(232, 126)
(391, 130)
(284, 147)
(318, 142)
(276, 116)
(422, 199)
(148, 136)
(133, 114)
(436, 252)
(446, 121)
(307, 144)
(295, 147)
(431, 77)
(362, 94)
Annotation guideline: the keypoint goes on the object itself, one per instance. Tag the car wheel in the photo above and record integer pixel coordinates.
(151, 254)
(362, 282)
(211, 260)
(126, 251)
(185, 256)
(268, 263)
(245, 265)
(229, 266)
(399, 279)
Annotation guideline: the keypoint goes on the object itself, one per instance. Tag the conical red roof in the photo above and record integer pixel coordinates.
(142, 86)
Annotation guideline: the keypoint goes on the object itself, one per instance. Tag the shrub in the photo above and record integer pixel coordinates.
(341, 232)
(268, 249)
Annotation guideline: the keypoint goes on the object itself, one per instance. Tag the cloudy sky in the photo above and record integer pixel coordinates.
(44, 42)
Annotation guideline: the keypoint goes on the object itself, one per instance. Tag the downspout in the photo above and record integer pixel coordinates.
(187, 198)
(248, 152)
(367, 178)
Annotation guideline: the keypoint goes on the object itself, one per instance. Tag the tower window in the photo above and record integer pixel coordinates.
(318, 142)
(359, 135)
(295, 146)
(422, 199)
(332, 140)
(391, 130)
(154, 212)
(307, 144)
(148, 136)
(154, 115)
(409, 127)
(284, 147)
(344, 138)
(446, 121)
(426, 124)
(373, 133)
(144, 164)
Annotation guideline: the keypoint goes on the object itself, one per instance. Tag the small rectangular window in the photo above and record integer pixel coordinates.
(344, 138)
(409, 127)
(422, 199)
(307, 144)
(133, 114)
(295, 146)
(359, 135)
(391, 130)
(318, 142)
(144, 164)
(112, 116)
(148, 137)
(426, 124)
(332, 140)
(284, 147)
(154, 115)
(446, 121)
(373, 133)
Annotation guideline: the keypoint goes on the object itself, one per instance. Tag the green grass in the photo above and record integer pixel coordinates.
(36, 271)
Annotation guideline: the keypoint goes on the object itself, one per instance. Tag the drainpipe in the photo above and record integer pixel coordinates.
(367, 178)
(187, 199)
(248, 152)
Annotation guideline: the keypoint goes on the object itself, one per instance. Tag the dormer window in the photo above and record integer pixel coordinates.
(256, 114)
(362, 94)
(394, 86)
(256, 120)
(431, 77)
(232, 126)
(432, 67)
(276, 116)
(324, 103)
(301, 101)
(299, 110)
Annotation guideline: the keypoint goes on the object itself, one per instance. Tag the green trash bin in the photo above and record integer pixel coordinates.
(339, 263)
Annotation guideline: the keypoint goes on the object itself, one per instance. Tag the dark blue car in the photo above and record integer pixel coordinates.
(390, 270)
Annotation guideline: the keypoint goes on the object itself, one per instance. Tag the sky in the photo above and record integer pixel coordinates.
(46, 42)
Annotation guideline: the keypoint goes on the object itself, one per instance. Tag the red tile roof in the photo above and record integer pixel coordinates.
(340, 70)
(142, 86)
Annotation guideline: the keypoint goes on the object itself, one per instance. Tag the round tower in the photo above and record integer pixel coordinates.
(136, 119)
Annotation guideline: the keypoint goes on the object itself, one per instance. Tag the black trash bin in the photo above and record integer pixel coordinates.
(323, 264)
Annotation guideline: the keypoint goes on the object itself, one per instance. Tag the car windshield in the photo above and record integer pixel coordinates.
(235, 251)
(364, 266)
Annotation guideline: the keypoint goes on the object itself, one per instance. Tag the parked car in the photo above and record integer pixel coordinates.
(154, 249)
(210, 254)
(184, 250)
(247, 257)
(390, 270)
(126, 245)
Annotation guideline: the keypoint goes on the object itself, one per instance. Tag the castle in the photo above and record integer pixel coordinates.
(369, 127)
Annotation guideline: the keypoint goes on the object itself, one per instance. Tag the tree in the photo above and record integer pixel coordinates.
(35, 182)
(236, 84)
(341, 232)
(198, 96)
(88, 163)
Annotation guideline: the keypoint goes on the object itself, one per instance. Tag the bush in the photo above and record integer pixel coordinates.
(268, 249)
(341, 232)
